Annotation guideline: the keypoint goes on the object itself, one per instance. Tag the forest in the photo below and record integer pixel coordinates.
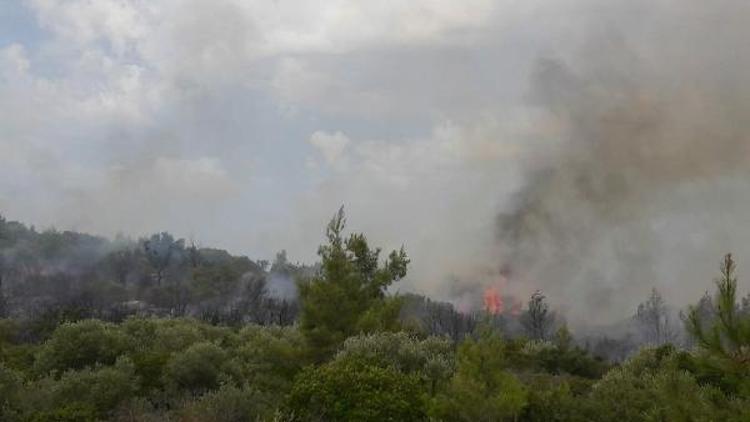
(161, 329)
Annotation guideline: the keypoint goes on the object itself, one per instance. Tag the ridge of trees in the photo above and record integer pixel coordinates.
(355, 352)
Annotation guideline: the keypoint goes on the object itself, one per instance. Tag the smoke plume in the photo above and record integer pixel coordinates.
(645, 180)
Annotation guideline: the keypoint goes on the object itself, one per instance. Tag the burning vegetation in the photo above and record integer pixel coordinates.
(87, 340)
(632, 173)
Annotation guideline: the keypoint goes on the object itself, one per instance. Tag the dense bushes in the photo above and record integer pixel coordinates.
(349, 358)
(93, 370)
(348, 390)
(82, 344)
(180, 369)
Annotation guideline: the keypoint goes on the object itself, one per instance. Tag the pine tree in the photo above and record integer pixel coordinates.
(652, 317)
(348, 295)
(724, 337)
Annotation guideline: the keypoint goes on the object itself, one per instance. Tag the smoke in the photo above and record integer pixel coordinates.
(246, 125)
(282, 286)
(645, 180)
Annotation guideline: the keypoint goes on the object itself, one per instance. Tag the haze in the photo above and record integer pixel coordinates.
(590, 149)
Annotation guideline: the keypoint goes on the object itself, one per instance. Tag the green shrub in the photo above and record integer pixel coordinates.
(99, 389)
(482, 389)
(228, 404)
(81, 344)
(347, 391)
(197, 369)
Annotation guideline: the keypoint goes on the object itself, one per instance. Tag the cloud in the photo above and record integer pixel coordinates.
(196, 117)
(436, 194)
(14, 59)
(330, 145)
(204, 176)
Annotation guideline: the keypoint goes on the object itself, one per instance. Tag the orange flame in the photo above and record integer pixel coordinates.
(493, 303)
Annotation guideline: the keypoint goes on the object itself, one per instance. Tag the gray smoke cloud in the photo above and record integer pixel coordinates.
(617, 161)
(645, 183)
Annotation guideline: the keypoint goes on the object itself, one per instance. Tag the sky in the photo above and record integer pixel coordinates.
(245, 124)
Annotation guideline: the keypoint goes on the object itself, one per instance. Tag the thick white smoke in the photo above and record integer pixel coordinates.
(647, 179)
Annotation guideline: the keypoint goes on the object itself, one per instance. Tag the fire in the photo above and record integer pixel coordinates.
(493, 303)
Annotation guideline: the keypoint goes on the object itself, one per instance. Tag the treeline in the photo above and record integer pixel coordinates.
(352, 352)
(51, 276)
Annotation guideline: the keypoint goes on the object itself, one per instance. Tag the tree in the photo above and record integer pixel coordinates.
(10, 391)
(228, 404)
(562, 356)
(348, 290)
(436, 318)
(652, 318)
(194, 254)
(4, 311)
(199, 368)
(563, 338)
(80, 344)
(280, 263)
(431, 359)
(537, 320)
(271, 357)
(121, 263)
(162, 251)
(724, 337)
(84, 393)
(482, 389)
(651, 386)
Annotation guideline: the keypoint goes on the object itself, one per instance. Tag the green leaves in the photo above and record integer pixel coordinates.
(352, 391)
(197, 369)
(723, 333)
(348, 294)
(653, 386)
(482, 388)
(99, 389)
(81, 344)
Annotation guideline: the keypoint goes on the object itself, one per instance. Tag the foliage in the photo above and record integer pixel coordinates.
(10, 386)
(537, 319)
(94, 335)
(430, 359)
(724, 335)
(271, 356)
(80, 344)
(482, 388)
(348, 294)
(199, 368)
(553, 398)
(100, 389)
(652, 386)
(228, 404)
(345, 390)
(423, 315)
(652, 317)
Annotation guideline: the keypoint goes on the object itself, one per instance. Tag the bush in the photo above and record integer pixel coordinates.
(10, 389)
(197, 369)
(99, 389)
(271, 357)
(346, 391)
(651, 386)
(81, 344)
(431, 359)
(482, 388)
(75, 412)
(554, 398)
(228, 404)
